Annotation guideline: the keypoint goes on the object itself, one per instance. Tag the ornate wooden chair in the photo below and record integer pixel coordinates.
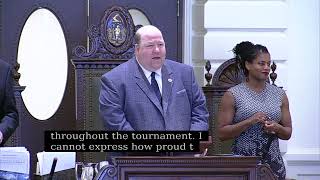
(112, 43)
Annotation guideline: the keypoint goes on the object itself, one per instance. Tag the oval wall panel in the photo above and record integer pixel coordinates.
(43, 59)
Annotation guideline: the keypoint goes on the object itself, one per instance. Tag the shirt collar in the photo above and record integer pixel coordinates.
(146, 72)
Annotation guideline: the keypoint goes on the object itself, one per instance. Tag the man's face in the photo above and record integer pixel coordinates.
(151, 52)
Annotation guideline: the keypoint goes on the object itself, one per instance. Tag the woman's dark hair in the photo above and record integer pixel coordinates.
(247, 51)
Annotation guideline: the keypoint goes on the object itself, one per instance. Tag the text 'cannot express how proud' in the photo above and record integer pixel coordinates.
(128, 141)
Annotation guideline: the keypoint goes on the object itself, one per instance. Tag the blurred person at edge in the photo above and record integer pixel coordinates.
(8, 112)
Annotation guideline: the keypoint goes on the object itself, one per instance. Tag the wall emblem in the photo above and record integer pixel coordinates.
(117, 30)
(113, 38)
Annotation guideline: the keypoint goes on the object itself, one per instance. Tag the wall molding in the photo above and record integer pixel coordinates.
(187, 36)
(303, 165)
(1, 11)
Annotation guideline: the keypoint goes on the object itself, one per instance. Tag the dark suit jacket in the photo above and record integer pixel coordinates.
(8, 112)
(128, 103)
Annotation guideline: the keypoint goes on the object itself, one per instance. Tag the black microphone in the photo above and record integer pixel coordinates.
(53, 167)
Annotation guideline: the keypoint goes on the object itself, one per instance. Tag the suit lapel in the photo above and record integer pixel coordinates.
(167, 83)
(143, 83)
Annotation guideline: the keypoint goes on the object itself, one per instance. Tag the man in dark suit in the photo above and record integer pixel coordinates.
(149, 92)
(8, 112)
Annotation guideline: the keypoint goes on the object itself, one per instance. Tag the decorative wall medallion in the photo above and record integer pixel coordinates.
(112, 38)
(117, 30)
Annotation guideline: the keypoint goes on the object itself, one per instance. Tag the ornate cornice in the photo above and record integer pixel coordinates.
(113, 38)
(95, 63)
(107, 172)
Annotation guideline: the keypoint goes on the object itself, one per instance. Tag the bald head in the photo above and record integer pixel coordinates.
(146, 30)
(150, 49)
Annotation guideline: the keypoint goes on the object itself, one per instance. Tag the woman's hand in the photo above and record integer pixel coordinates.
(258, 117)
(271, 127)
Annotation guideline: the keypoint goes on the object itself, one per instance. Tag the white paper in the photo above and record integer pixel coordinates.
(13, 149)
(15, 159)
(66, 160)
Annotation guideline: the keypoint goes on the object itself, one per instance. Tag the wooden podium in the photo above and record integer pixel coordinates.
(186, 168)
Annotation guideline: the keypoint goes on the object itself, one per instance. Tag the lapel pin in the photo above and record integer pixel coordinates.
(170, 80)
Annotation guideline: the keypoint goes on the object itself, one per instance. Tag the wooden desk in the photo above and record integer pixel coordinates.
(186, 168)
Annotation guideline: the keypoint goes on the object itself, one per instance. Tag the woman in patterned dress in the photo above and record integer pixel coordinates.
(255, 113)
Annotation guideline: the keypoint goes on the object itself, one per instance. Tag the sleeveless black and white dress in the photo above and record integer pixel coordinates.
(254, 141)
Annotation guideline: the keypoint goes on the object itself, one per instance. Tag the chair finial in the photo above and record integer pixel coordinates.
(208, 75)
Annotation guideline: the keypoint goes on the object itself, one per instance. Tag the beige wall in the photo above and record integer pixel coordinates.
(290, 30)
